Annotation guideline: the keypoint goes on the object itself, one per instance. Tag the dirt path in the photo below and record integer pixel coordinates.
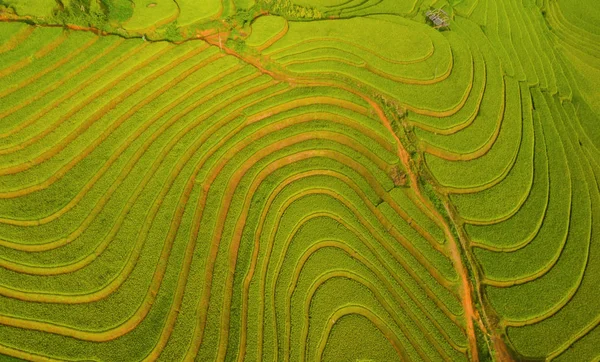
(466, 296)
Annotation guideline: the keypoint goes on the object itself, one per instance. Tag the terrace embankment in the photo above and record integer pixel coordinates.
(287, 185)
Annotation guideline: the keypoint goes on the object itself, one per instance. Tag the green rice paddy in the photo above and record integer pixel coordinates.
(291, 180)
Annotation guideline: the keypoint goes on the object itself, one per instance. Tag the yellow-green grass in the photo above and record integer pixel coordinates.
(506, 26)
(534, 23)
(39, 8)
(132, 187)
(74, 45)
(18, 119)
(91, 116)
(580, 57)
(582, 14)
(469, 111)
(353, 31)
(584, 347)
(583, 114)
(503, 198)
(522, 44)
(461, 167)
(492, 24)
(35, 45)
(549, 272)
(360, 186)
(23, 94)
(151, 14)
(570, 276)
(447, 72)
(266, 30)
(13, 34)
(522, 225)
(195, 11)
(349, 8)
(528, 202)
(244, 4)
(478, 13)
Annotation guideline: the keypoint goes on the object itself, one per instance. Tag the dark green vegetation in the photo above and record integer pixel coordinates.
(299, 180)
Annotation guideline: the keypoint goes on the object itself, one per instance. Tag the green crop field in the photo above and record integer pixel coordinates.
(300, 180)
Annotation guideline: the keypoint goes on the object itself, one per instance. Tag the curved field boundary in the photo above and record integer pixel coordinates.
(274, 120)
(531, 244)
(259, 193)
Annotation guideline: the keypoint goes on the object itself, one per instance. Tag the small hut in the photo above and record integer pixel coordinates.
(439, 18)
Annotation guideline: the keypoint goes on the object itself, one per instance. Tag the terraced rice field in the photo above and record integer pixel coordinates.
(290, 180)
